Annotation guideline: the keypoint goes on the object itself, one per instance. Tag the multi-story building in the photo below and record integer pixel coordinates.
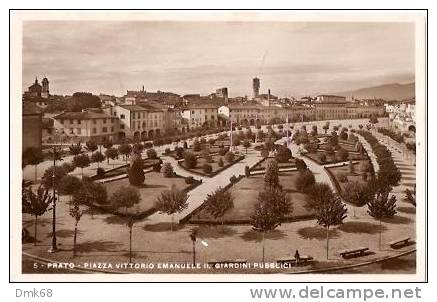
(87, 125)
(197, 115)
(222, 93)
(139, 121)
(37, 90)
(32, 126)
(329, 98)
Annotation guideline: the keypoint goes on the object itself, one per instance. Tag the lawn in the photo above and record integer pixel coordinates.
(245, 194)
(154, 184)
(315, 156)
(263, 164)
(351, 177)
(214, 164)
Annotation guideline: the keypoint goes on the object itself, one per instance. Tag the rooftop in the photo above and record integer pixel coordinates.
(82, 115)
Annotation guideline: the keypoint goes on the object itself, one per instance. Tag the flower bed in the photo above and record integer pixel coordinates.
(214, 165)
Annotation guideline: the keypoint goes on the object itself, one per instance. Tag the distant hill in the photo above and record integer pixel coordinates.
(389, 92)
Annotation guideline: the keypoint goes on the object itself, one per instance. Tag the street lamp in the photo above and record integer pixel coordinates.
(56, 156)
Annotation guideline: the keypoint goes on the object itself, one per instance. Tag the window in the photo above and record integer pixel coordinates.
(71, 121)
(61, 121)
(112, 129)
(104, 121)
(122, 126)
(212, 117)
(71, 131)
(78, 130)
(192, 111)
(78, 122)
(94, 122)
(122, 116)
(104, 129)
(94, 130)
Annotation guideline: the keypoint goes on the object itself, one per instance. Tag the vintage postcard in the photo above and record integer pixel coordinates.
(218, 146)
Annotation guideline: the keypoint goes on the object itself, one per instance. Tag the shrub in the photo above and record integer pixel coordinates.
(322, 158)
(151, 153)
(157, 167)
(283, 154)
(233, 179)
(264, 152)
(209, 159)
(271, 176)
(68, 167)
(136, 173)
(100, 171)
(305, 180)
(223, 151)
(343, 135)
(220, 162)
(342, 177)
(196, 146)
(342, 154)
(148, 145)
(167, 150)
(300, 164)
(190, 160)
(185, 145)
(230, 156)
(179, 152)
(189, 180)
(167, 170)
(207, 168)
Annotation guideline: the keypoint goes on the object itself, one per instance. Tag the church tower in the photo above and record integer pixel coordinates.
(45, 88)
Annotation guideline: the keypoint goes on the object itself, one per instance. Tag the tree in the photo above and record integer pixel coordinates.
(125, 197)
(97, 157)
(220, 162)
(107, 144)
(136, 173)
(90, 193)
(246, 144)
(318, 193)
(190, 160)
(47, 179)
(218, 202)
(91, 146)
(69, 184)
(381, 206)
(81, 161)
(333, 140)
(305, 180)
(207, 168)
(196, 146)
(125, 150)
(272, 206)
(330, 212)
(36, 204)
(171, 202)
(83, 100)
(356, 194)
(167, 170)
(314, 130)
(137, 148)
(75, 149)
(33, 156)
(76, 213)
(271, 176)
(360, 126)
(111, 153)
(130, 224)
(325, 128)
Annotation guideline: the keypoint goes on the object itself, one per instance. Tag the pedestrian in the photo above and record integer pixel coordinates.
(297, 256)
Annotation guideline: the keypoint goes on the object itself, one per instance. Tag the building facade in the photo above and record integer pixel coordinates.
(198, 115)
(85, 126)
(32, 126)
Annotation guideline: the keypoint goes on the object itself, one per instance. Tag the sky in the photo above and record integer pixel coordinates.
(290, 58)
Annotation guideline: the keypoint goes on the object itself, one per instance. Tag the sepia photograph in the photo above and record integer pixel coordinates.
(208, 145)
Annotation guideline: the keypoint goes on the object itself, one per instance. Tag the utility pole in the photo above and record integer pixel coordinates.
(54, 248)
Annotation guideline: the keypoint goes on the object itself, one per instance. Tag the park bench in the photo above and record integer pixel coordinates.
(354, 253)
(302, 260)
(228, 261)
(400, 243)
